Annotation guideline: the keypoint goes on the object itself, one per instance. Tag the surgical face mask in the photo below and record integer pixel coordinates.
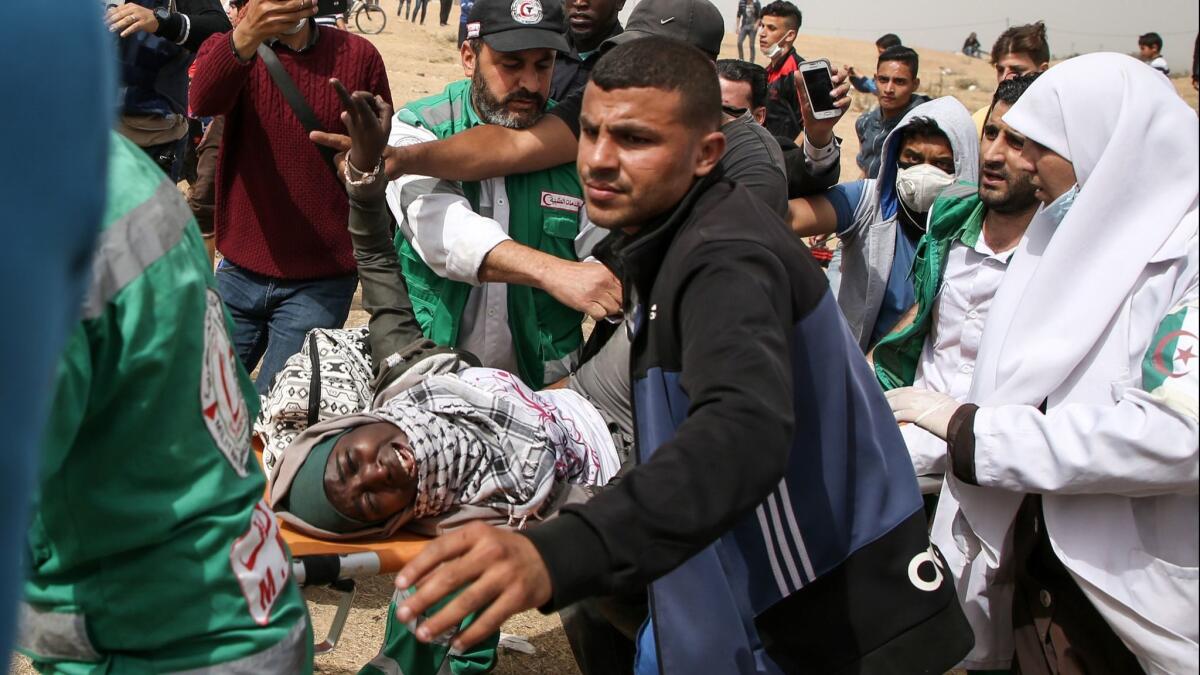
(1057, 210)
(918, 186)
(775, 49)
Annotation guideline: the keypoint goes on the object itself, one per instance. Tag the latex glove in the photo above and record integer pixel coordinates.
(927, 409)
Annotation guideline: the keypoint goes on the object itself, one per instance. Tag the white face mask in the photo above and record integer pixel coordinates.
(775, 49)
(918, 186)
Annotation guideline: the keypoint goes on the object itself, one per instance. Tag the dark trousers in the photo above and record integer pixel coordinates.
(1056, 629)
(444, 12)
(420, 6)
(602, 633)
(272, 316)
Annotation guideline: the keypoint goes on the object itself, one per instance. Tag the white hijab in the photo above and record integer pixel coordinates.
(1133, 144)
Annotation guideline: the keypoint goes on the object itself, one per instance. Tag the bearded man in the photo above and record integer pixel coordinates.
(492, 265)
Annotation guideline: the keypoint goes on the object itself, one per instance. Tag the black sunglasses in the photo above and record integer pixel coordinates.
(734, 112)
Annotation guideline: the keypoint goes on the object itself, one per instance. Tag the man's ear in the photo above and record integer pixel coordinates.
(711, 149)
(759, 114)
(470, 60)
(916, 84)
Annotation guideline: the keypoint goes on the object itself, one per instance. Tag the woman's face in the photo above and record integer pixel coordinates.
(1053, 174)
(371, 474)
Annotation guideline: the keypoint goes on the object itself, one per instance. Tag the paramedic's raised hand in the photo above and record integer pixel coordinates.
(264, 19)
(820, 132)
(500, 574)
(368, 118)
(927, 409)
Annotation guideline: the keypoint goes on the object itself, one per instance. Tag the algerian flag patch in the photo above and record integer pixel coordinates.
(1169, 370)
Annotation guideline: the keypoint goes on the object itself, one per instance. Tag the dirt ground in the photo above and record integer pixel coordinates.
(420, 61)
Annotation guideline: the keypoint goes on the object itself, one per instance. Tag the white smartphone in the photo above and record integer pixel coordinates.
(818, 84)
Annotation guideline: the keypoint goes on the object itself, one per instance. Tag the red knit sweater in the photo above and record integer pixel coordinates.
(280, 211)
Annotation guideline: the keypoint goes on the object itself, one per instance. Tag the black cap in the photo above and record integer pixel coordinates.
(514, 25)
(696, 22)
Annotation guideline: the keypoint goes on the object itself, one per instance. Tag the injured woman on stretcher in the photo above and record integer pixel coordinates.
(431, 440)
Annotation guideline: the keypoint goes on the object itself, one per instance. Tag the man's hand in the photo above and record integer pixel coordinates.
(588, 287)
(264, 19)
(927, 409)
(368, 117)
(393, 158)
(130, 18)
(820, 132)
(501, 574)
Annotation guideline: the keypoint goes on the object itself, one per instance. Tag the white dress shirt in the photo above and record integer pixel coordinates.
(948, 358)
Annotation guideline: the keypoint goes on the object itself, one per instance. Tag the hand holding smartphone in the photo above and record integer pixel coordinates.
(331, 7)
(818, 85)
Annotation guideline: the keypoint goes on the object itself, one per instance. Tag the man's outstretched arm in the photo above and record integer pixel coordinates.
(486, 151)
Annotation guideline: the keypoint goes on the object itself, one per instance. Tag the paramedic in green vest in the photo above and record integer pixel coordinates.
(151, 549)
(960, 262)
(492, 265)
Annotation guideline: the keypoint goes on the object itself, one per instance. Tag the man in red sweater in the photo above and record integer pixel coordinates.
(281, 213)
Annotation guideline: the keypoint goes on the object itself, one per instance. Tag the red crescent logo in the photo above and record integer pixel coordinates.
(1159, 363)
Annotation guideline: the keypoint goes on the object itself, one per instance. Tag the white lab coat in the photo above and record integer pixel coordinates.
(1118, 469)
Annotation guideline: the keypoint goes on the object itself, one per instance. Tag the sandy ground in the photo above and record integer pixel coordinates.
(420, 61)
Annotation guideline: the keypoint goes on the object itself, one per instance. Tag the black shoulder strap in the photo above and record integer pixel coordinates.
(295, 100)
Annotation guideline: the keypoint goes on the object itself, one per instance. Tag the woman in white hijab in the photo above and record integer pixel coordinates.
(1070, 517)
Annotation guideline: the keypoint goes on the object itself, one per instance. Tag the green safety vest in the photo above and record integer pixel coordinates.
(543, 329)
(150, 547)
(957, 215)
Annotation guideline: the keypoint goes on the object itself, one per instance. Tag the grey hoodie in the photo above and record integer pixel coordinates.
(869, 244)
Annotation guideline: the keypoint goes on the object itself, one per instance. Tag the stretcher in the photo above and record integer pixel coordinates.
(338, 564)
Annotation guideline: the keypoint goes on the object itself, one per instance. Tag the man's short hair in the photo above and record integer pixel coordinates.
(1010, 90)
(888, 41)
(736, 70)
(922, 127)
(785, 9)
(1150, 40)
(1029, 40)
(669, 65)
(901, 54)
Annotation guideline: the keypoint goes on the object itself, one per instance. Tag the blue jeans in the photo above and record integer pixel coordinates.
(272, 316)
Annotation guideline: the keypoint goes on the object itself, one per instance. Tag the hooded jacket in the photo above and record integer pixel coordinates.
(773, 489)
(869, 238)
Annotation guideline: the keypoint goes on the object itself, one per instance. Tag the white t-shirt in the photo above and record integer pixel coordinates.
(1160, 64)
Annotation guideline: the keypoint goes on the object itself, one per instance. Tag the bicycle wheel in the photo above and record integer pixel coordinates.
(370, 19)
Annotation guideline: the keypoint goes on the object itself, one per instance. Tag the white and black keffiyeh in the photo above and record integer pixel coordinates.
(472, 447)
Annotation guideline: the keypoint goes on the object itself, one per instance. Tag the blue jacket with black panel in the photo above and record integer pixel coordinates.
(774, 515)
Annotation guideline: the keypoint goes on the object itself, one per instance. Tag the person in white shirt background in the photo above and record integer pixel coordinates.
(1150, 49)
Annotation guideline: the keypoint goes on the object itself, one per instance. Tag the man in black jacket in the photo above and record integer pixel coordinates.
(159, 39)
(773, 514)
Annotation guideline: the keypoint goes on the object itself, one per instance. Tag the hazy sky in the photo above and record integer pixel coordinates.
(1072, 25)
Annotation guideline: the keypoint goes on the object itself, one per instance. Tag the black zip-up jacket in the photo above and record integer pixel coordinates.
(774, 505)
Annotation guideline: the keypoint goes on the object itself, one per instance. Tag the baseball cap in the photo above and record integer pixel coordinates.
(514, 25)
(696, 22)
